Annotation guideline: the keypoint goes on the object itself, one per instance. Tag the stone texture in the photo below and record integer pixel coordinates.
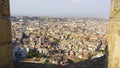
(5, 31)
(5, 56)
(114, 36)
(4, 8)
(5, 36)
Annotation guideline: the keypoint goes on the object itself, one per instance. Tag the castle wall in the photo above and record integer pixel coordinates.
(5, 36)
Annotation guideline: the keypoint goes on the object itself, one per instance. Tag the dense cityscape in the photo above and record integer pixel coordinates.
(58, 40)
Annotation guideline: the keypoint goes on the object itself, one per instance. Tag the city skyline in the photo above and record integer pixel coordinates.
(69, 8)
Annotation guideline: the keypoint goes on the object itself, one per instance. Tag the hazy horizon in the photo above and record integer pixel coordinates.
(62, 8)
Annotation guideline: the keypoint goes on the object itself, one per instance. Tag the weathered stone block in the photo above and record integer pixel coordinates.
(5, 31)
(4, 8)
(6, 56)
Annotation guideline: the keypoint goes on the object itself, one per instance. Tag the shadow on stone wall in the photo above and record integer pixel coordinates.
(94, 63)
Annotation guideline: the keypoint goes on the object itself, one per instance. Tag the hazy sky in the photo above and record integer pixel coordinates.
(81, 8)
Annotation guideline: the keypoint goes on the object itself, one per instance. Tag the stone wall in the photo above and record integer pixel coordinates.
(94, 63)
(5, 36)
(4, 8)
(114, 36)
